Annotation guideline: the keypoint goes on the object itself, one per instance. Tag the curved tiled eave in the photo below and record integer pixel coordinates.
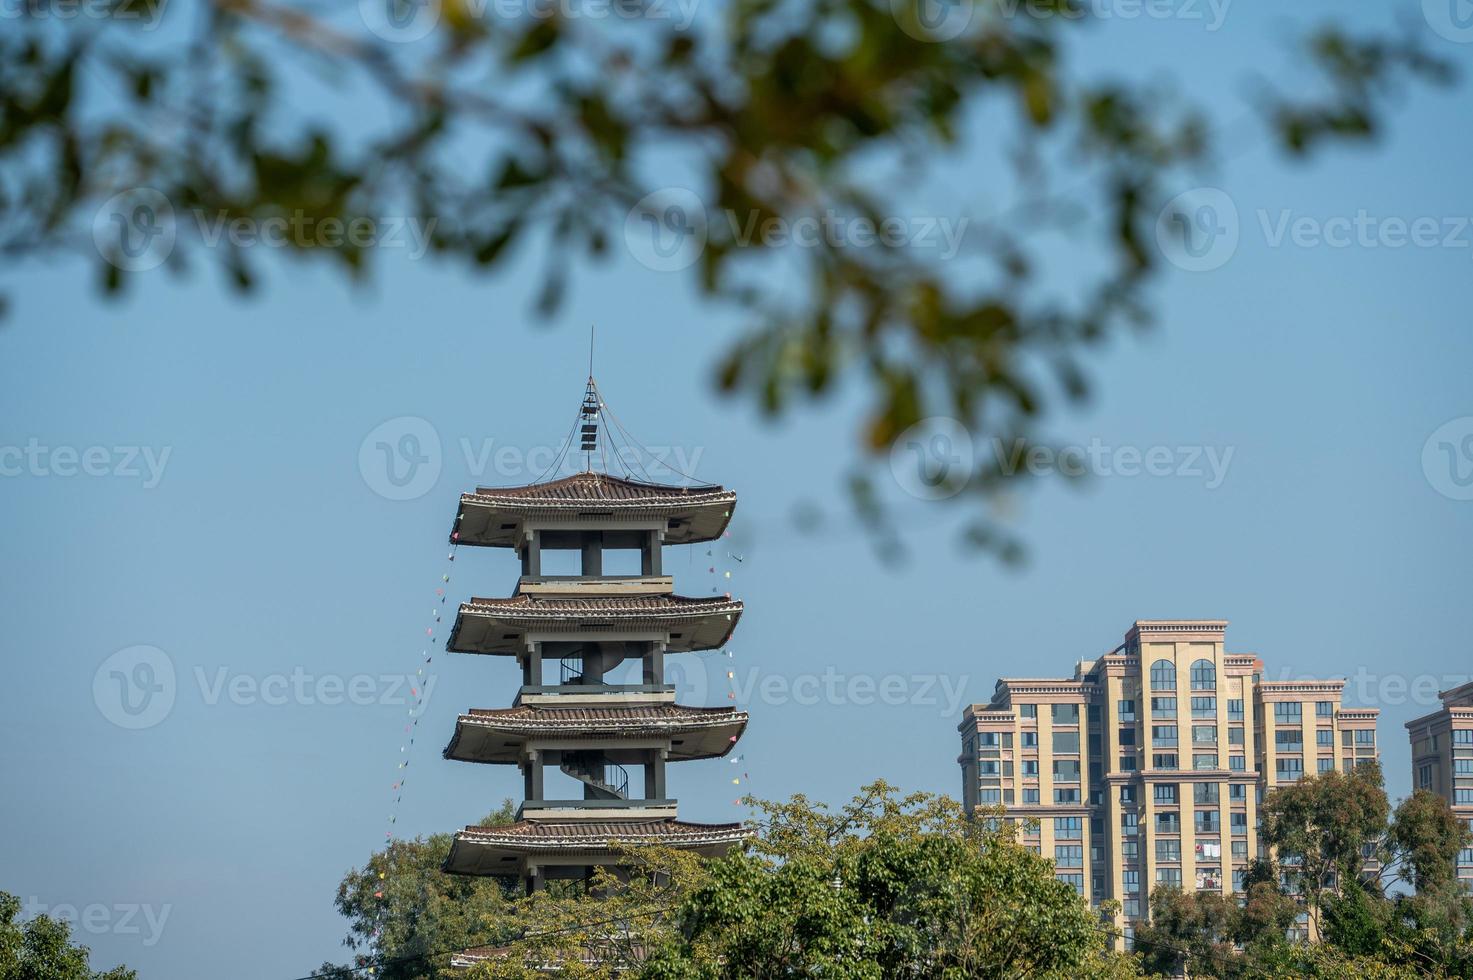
(500, 736)
(497, 516)
(501, 850)
(499, 626)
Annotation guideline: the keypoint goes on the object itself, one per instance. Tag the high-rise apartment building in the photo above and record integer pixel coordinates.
(1148, 766)
(1442, 761)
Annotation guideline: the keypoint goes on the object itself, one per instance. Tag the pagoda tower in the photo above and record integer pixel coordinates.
(592, 753)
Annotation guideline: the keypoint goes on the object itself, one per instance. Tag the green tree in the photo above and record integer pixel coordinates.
(543, 131)
(887, 886)
(405, 915)
(1319, 829)
(1424, 840)
(41, 949)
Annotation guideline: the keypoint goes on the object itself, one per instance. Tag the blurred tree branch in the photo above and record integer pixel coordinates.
(496, 131)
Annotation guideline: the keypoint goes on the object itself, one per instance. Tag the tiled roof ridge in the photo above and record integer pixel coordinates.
(600, 487)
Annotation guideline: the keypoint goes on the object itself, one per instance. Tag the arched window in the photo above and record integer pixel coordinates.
(1163, 676)
(1204, 676)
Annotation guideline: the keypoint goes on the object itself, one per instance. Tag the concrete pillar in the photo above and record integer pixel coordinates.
(593, 553)
(532, 555)
(650, 557)
(534, 775)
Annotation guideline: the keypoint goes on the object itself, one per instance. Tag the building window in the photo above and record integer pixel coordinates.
(1325, 765)
(1168, 822)
(1165, 760)
(1127, 736)
(1289, 770)
(1127, 794)
(1030, 796)
(1127, 763)
(1288, 712)
(1163, 707)
(1163, 676)
(1205, 793)
(1163, 734)
(1324, 709)
(1235, 710)
(1204, 760)
(1027, 711)
(1068, 828)
(1130, 882)
(1066, 714)
(1324, 736)
(1365, 736)
(1204, 707)
(1289, 740)
(1164, 792)
(1463, 797)
(1129, 824)
(1463, 736)
(1207, 822)
(1238, 763)
(1170, 877)
(1204, 734)
(1168, 850)
(1077, 881)
(1069, 855)
(1204, 676)
(1066, 743)
(988, 740)
(1237, 791)
(1030, 740)
(1235, 735)
(1030, 767)
(1238, 824)
(1461, 767)
(1130, 849)
(1424, 774)
(1066, 796)
(989, 796)
(987, 767)
(1126, 710)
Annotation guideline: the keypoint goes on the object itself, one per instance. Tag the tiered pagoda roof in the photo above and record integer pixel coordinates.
(499, 735)
(496, 850)
(604, 743)
(497, 625)
(496, 516)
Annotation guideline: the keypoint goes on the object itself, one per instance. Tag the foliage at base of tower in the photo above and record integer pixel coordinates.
(886, 886)
(406, 916)
(41, 948)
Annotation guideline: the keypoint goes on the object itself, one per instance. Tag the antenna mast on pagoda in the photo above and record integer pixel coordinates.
(592, 747)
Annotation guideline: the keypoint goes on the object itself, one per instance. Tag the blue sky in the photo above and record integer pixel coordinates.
(249, 543)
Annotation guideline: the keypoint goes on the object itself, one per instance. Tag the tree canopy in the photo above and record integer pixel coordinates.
(41, 948)
(558, 128)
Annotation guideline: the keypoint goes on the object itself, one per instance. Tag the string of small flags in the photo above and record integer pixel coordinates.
(721, 562)
(412, 718)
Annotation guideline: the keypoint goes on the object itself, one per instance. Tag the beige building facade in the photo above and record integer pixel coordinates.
(1149, 765)
(1442, 761)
